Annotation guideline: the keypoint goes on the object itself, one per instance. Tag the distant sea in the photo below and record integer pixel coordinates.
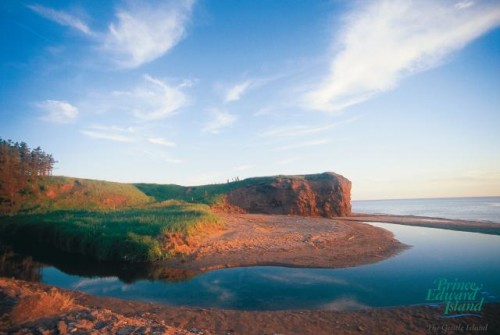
(473, 209)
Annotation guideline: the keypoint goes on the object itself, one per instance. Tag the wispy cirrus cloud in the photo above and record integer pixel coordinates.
(219, 119)
(464, 4)
(235, 92)
(58, 111)
(61, 17)
(110, 133)
(153, 99)
(146, 30)
(161, 141)
(384, 41)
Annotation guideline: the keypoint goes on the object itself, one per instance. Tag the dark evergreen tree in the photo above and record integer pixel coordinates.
(20, 171)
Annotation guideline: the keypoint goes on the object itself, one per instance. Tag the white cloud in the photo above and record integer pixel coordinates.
(235, 92)
(144, 32)
(62, 18)
(219, 120)
(112, 133)
(58, 111)
(153, 99)
(464, 4)
(385, 40)
(161, 141)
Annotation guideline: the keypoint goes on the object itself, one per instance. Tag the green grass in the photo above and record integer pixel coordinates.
(206, 194)
(63, 193)
(134, 234)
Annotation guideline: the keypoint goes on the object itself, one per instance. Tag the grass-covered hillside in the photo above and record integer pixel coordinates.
(144, 233)
(65, 193)
(105, 220)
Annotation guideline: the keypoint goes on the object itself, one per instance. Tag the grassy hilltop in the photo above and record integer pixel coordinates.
(117, 221)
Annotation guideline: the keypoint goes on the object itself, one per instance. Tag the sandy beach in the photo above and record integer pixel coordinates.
(256, 239)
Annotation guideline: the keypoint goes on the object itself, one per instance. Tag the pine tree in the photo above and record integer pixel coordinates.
(20, 171)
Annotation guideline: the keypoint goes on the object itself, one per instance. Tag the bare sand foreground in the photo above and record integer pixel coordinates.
(32, 308)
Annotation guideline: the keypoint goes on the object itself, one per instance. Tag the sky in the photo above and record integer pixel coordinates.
(401, 97)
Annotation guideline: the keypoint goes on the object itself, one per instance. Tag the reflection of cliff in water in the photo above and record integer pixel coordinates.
(26, 263)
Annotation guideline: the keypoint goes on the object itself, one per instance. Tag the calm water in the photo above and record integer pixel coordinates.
(474, 209)
(400, 280)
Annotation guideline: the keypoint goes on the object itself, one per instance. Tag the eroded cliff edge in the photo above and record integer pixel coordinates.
(327, 194)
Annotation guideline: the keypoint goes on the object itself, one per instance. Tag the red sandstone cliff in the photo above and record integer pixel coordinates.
(327, 194)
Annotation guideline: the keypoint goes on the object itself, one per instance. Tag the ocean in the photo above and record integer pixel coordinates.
(473, 209)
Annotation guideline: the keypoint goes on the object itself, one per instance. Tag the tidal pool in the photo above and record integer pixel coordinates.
(405, 279)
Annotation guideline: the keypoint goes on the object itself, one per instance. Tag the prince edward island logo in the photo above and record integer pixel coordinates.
(461, 298)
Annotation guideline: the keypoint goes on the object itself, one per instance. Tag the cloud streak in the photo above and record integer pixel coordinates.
(113, 133)
(235, 92)
(220, 119)
(161, 141)
(61, 18)
(58, 111)
(153, 99)
(384, 41)
(145, 32)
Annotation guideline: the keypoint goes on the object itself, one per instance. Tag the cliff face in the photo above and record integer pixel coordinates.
(327, 194)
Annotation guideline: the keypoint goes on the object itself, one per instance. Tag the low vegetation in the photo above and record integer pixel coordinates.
(134, 234)
(35, 305)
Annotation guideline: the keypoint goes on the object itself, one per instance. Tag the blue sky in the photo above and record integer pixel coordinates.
(402, 97)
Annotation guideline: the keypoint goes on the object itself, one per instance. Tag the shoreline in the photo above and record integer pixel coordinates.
(290, 241)
(316, 242)
(483, 227)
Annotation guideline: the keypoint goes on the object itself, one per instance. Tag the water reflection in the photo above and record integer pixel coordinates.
(22, 262)
(397, 281)
(13, 265)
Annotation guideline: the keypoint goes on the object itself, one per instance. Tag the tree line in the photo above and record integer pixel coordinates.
(20, 171)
